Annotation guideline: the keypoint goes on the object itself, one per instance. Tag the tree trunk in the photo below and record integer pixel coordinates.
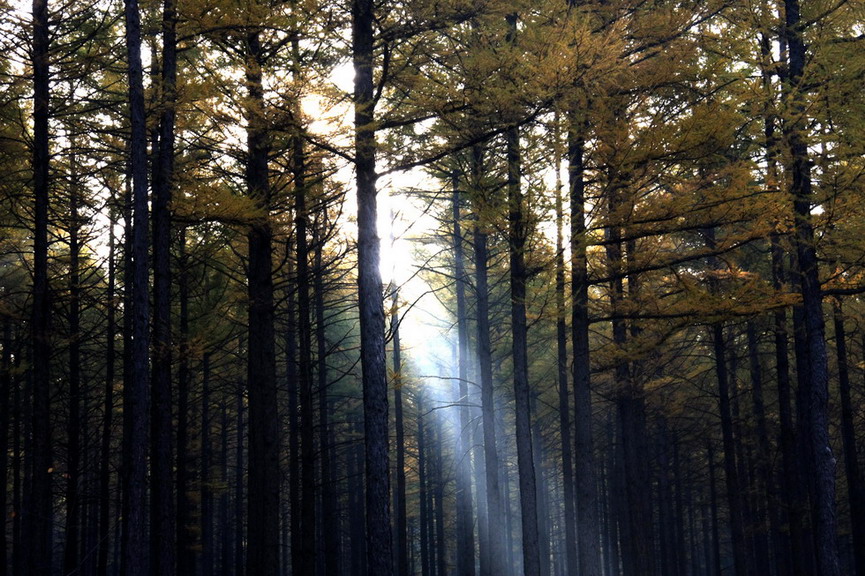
(239, 559)
(855, 488)
(496, 552)
(207, 541)
(330, 514)
(136, 399)
(764, 494)
(263, 493)
(5, 396)
(818, 410)
(570, 520)
(399, 499)
(162, 545)
(465, 521)
(731, 476)
(517, 234)
(794, 497)
(38, 499)
(73, 424)
(588, 534)
(183, 523)
(372, 344)
(307, 559)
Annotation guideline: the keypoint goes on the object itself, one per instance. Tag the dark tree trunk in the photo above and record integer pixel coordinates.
(38, 499)
(226, 563)
(293, 421)
(183, 523)
(423, 490)
(588, 534)
(73, 423)
(716, 532)
(307, 558)
(438, 492)
(570, 520)
(465, 522)
(136, 399)
(207, 551)
(731, 472)
(239, 523)
(399, 499)
(517, 235)
(330, 513)
(372, 341)
(794, 498)
(263, 493)
(357, 512)
(495, 509)
(18, 554)
(5, 396)
(107, 408)
(731, 475)
(855, 488)
(763, 495)
(162, 544)
(818, 400)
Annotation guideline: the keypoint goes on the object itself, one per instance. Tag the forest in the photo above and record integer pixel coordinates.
(432, 287)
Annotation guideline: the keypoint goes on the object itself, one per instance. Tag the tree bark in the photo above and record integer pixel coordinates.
(307, 558)
(38, 498)
(263, 494)
(517, 234)
(401, 532)
(162, 544)
(588, 534)
(570, 520)
(855, 488)
(136, 559)
(495, 518)
(823, 462)
(73, 424)
(465, 521)
(372, 342)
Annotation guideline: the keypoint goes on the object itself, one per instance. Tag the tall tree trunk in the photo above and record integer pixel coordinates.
(764, 494)
(399, 499)
(517, 235)
(716, 532)
(73, 424)
(330, 514)
(136, 399)
(263, 494)
(207, 541)
(162, 544)
(495, 509)
(855, 488)
(239, 520)
(570, 520)
(588, 534)
(465, 522)
(18, 553)
(372, 342)
(731, 473)
(307, 560)
(39, 502)
(183, 523)
(5, 397)
(793, 496)
(438, 493)
(423, 489)
(107, 407)
(806, 252)
(293, 420)
(731, 476)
